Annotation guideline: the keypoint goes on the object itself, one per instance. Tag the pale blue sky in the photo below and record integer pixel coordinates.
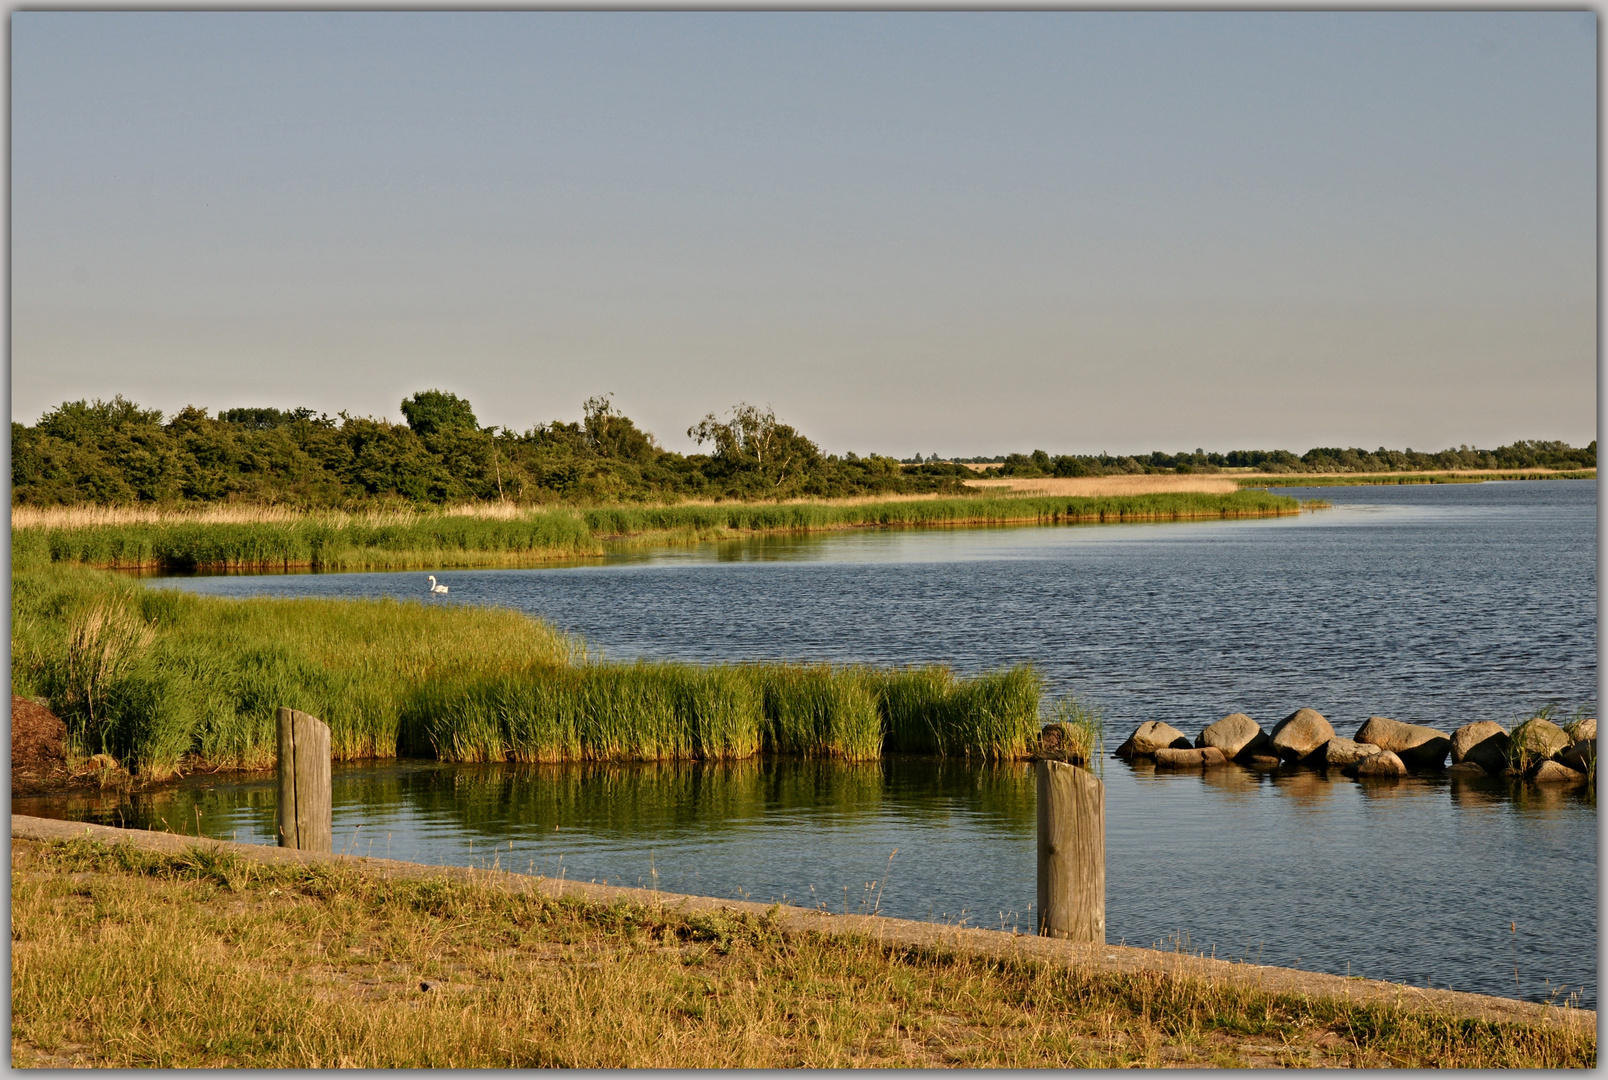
(939, 232)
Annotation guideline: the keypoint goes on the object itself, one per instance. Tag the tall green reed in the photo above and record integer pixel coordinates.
(818, 710)
(460, 683)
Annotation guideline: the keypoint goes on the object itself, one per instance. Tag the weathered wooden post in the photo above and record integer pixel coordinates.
(305, 818)
(1071, 853)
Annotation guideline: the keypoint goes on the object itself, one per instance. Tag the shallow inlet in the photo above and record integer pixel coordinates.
(1433, 604)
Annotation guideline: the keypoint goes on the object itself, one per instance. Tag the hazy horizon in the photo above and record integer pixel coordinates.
(963, 233)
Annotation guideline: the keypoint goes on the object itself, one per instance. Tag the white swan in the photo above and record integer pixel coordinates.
(434, 587)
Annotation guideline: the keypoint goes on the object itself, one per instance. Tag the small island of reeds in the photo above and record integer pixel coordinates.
(165, 681)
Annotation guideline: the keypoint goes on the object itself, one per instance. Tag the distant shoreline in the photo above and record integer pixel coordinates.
(1236, 480)
(274, 539)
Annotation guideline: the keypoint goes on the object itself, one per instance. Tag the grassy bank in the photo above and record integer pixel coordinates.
(1369, 479)
(442, 540)
(162, 679)
(280, 966)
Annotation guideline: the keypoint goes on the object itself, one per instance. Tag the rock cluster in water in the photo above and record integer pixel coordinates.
(1537, 749)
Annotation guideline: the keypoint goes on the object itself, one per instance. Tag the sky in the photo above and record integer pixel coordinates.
(963, 233)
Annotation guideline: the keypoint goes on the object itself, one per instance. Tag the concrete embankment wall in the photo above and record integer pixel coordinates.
(1116, 959)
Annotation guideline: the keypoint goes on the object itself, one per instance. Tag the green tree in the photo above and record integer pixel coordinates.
(612, 435)
(753, 444)
(430, 411)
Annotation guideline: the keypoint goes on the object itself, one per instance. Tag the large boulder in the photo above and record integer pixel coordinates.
(1418, 747)
(1237, 735)
(1535, 740)
(1151, 736)
(1585, 729)
(1339, 752)
(1383, 765)
(1580, 756)
(1301, 735)
(1551, 772)
(1483, 743)
(1197, 758)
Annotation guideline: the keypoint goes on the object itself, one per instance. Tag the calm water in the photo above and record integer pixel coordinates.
(1435, 604)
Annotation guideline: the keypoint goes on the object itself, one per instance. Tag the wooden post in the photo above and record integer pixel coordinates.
(1071, 853)
(305, 819)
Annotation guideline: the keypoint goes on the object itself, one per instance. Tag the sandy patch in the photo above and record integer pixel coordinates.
(1132, 484)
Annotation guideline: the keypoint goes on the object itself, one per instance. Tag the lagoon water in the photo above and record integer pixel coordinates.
(1430, 604)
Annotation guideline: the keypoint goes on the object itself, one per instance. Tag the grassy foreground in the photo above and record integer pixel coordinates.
(285, 966)
(433, 540)
(162, 680)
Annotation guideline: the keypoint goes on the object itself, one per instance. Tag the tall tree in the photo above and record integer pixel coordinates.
(756, 444)
(430, 411)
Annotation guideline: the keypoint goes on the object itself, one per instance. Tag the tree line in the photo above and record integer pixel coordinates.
(117, 453)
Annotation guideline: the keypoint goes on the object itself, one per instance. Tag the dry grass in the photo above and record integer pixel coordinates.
(129, 959)
(78, 517)
(1135, 484)
(1219, 483)
(846, 500)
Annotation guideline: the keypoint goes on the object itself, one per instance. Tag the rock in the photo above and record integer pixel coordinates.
(1193, 758)
(1417, 746)
(1338, 752)
(1585, 729)
(1536, 740)
(1237, 735)
(1484, 743)
(1057, 742)
(1467, 768)
(1151, 736)
(1301, 735)
(1382, 765)
(1551, 772)
(1581, 756)
(38, 748)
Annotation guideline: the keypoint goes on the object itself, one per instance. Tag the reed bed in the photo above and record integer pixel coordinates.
(319, 543)
(590, 712)
(648, 712)
(204, 685)
(972, 510)
(467, 537)
(165, 680)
